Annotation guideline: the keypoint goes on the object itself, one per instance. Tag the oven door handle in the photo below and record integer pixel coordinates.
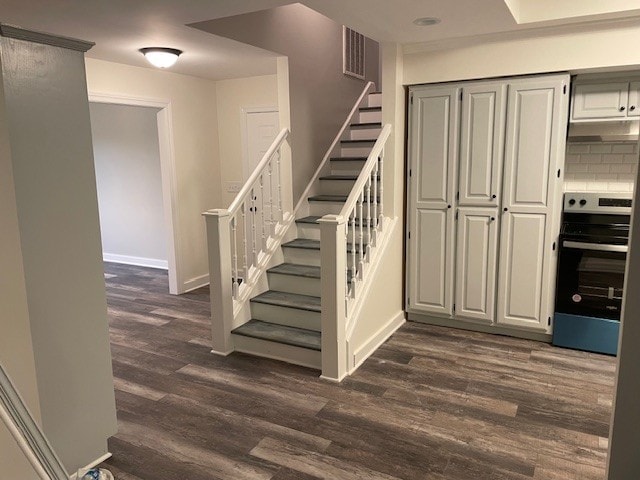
(596, 246)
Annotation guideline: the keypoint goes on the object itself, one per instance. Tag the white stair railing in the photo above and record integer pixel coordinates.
(346, 243)
(242, 238)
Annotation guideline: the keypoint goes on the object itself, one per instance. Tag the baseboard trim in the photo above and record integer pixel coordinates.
(378, 338)
(93, 464)
(195, 283)
(476, 327)
(138, 261)
(222, 354)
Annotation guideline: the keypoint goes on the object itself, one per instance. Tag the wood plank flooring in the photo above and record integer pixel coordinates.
(433, 403)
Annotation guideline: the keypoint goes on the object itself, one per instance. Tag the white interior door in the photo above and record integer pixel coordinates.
(261, 128)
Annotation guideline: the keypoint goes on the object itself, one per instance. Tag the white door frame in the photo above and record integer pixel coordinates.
(167, 172)
(244, 112)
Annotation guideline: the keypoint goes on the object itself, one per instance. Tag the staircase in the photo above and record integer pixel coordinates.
(278, 310)
(285, 320)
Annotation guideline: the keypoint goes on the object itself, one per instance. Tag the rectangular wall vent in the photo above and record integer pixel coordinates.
(352, 53)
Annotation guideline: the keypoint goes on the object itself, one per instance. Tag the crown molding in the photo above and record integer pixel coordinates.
(520, 34)
(11, 31)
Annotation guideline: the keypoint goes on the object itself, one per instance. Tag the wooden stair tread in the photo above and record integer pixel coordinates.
(349, 159)
(371, 109)
(366, 125)
(297, 337)
(308, 244)
(329, 198)
(293, 269)
(289, 300)
(313, 219)
(364, 140)
(342, 177)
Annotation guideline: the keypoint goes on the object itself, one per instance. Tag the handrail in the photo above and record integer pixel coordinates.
(237, 202)
(352, 199)
(333, 145)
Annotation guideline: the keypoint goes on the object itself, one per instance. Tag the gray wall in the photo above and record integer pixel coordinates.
(320, 95)
(47, 115)
(624, 461)
(127, 162)
(16, 349)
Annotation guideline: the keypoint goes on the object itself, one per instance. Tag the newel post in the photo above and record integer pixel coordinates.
(333, 254)
(220, 280)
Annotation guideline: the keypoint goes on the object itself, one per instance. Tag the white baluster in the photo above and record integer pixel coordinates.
(368, 188)
(375, 202)
(254, 233)
(245, 267)
(279, 177)
(272, 221)
(234, 253)
(264, 219)
(381, 162)
(353, 252)
(361, 249)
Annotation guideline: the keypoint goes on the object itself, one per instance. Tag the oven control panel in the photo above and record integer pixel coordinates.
(597, 202)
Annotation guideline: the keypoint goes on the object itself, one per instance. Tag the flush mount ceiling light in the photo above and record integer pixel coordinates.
(161, 57)
(426, 21)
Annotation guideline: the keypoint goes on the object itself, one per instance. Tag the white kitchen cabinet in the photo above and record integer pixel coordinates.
(536, 126)
(482, 144)
(634, 99)
(492, 264)
(477, 245)
(600, 101)
(434, 150)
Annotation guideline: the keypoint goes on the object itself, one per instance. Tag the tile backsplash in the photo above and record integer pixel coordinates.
(601, 166)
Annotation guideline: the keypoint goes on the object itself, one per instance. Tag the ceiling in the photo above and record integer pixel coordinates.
(120, 27)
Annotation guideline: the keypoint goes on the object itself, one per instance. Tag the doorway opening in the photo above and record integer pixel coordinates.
(135, 180)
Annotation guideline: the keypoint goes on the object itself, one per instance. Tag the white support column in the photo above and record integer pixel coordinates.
(333, 252)
(220, 277)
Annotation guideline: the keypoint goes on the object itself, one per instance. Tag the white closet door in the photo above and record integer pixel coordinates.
(433, 157)
(477, 245)
(482, 144)
(536, 128)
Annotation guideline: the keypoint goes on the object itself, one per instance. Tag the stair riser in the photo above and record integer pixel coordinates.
(366, 116)
(374, 100)
(293, 284)
(355, 151)
(325, 208)
(301, 256)
(349, 167)
(312, 232)
(336, 187)
(364, 133)
(278, 351)
(291, 317)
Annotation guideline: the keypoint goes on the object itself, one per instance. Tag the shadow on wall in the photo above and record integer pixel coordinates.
(320, 95)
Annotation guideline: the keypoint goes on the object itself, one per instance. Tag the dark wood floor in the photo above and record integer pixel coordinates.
(432, 403)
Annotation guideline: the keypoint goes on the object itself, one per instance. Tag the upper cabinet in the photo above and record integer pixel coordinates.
(614, 100)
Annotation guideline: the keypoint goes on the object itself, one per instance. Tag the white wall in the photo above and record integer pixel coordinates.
(605, 48)
(233, 96)
(16, 349)
(601, 167)
(128, 177)
(194, 122)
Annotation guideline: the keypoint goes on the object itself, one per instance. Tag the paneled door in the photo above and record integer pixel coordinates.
(432, 187)
(602, 100)
(477, 245)
(482, 144)
(535, 136)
